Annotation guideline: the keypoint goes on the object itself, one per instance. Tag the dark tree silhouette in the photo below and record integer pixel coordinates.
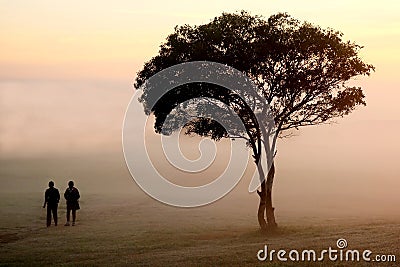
(300, 70)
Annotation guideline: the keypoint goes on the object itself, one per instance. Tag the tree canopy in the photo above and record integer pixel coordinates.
(300, 69)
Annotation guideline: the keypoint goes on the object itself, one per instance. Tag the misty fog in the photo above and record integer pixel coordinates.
(72, 130)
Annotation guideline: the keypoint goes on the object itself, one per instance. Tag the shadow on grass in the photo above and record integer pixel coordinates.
(8, 238)
(278, 232)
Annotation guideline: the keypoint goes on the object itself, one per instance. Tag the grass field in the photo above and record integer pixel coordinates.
(132, 229)
(127, 231)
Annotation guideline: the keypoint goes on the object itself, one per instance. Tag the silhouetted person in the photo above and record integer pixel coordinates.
(72, 196)
(51, 198)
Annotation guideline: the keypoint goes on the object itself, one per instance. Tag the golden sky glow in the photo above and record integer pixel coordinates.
(75, 39)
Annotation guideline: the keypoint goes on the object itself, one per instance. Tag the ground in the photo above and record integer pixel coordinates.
(118, 225)
(125, 230)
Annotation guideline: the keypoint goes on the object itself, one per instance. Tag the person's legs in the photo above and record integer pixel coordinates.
(55, 216)
(73, 216)
(48, 219)
(68, 215)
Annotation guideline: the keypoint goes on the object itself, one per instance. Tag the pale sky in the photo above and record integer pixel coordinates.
(95, 39)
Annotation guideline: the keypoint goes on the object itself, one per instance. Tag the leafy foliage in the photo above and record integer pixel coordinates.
(300, 70)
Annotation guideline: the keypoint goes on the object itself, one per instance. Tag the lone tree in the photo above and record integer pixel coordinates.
(300, 71)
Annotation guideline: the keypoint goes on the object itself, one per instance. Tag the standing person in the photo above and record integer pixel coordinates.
(72, 196)
(51, 199)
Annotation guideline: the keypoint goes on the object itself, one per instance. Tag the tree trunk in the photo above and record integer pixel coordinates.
(266, 202)
(261, 207)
